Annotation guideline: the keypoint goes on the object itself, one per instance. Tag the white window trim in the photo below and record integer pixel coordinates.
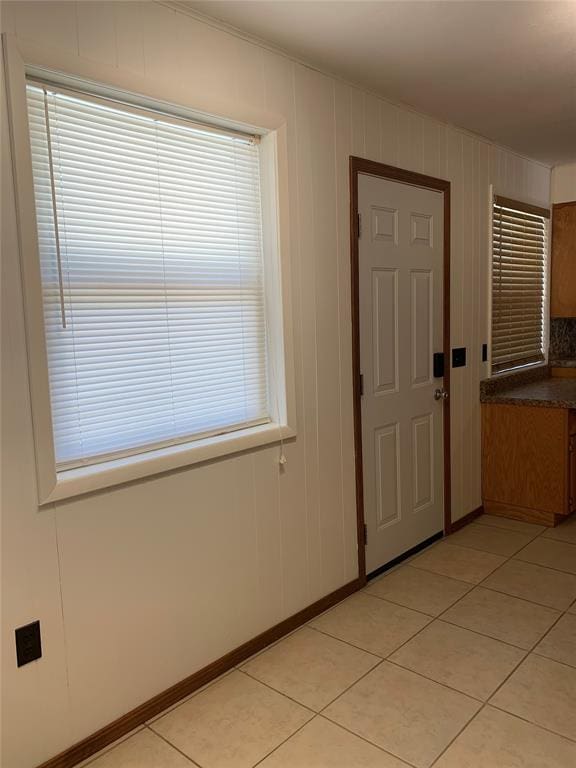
(53, 485)
(546, 326)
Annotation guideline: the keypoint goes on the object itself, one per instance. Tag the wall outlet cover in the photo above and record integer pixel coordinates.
(28, 643)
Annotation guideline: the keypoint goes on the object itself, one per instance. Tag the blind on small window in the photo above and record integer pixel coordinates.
(151, 261)
(519, 235)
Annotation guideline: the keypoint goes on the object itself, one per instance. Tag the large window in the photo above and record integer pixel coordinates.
(519, 284)
(152, 276)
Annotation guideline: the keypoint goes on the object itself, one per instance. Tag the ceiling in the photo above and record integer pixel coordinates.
(503, 69)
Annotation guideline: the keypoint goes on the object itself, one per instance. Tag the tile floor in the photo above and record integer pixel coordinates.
(463, 657)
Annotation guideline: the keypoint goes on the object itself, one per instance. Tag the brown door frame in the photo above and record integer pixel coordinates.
(359, 165)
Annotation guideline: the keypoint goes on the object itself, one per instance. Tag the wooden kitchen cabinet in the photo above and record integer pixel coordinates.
(563, 250)
(528, 462)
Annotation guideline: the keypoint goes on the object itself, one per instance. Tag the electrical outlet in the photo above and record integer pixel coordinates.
(28, 643)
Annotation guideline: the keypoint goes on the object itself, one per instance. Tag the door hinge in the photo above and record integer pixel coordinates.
(361, 385)
(359, 225)
(365, 534)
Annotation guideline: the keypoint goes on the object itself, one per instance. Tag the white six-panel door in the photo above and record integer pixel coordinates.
(401, 326)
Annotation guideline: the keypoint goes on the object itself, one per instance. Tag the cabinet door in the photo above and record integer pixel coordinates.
(563, 279)
(524, 456)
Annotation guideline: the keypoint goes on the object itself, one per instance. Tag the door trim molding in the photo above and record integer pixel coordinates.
(360, 165)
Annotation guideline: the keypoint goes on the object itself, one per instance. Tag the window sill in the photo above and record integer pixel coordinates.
(519, 369)
(75, 482)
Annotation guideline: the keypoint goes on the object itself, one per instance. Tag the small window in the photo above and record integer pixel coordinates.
(150, 240)
(519, 284)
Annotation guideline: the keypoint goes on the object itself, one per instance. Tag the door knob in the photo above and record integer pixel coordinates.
(440, 394)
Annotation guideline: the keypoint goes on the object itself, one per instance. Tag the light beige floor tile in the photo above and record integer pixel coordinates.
(560, 643)
(496, 739)
(143, 750)
(502, 616)
(543, 692)
(371, 623)
(471, 663)
(462, 563)
(418, 589)
(405, 714)
(550, 553)
(486, 538)
(232, 724)
(311, 667)
(566, 531)
(535, 583)
(508, 524)
(322, 744)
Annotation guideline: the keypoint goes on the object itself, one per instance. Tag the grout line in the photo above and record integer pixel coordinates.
(489, 701)
(447, 747)
(555, 661)
(509, 530)
(478, 586)
(492, 637)
(471, 583)
(487, 551)
(535, 652)
(417, 610)
(321, 711)
(400, 605)
(558, 618)
(363, 738)
(277, 747)
(436, 682)
(371, 653)
(531, 722)
(491, 528)
(383, 599)
(170, 744)
(550, 567)
(282, 693)
(525, 599)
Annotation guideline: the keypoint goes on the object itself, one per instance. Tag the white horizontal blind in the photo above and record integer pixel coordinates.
(518, 285)
(152, 271)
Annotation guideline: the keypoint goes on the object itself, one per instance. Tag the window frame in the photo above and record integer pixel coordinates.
(53, 485)
(525, 207)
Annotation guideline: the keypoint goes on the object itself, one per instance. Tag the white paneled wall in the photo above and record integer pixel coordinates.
(142, 585)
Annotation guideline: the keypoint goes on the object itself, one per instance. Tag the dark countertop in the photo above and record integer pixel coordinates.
(545, 393)
(563, 363)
